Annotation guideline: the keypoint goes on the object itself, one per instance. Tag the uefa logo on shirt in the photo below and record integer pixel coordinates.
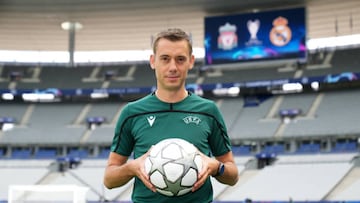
(192, 119)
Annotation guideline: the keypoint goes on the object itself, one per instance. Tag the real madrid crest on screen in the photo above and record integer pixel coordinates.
(280, 34)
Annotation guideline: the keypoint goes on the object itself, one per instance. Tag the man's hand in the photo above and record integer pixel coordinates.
(210, 167)
(230, 174)
(139, 168)
(119, 171)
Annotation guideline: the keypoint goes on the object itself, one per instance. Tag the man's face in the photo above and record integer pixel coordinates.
(171, 63)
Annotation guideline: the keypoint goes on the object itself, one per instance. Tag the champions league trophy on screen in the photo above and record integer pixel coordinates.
(253, 28)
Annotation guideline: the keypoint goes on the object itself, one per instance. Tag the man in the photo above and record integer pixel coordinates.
(170, 112)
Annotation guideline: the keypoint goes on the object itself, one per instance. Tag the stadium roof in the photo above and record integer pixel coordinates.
(111, 24)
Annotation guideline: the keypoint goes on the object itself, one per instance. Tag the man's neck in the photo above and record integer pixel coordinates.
(171, 96)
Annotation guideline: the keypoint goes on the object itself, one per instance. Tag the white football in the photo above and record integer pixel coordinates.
(173, 166)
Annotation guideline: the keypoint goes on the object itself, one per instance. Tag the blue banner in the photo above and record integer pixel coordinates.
(327, 79)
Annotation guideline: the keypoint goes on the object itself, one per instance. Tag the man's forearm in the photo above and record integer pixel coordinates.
(230, 176)
(116, 176)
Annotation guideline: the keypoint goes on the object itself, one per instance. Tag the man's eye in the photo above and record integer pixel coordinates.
(164, 58)
(181, 59)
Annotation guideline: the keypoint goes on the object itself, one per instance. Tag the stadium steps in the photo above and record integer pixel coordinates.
(328, 57)
(275, 108)
(346, 182)
(12, 85)
(273, 113)
(35, 78)
(84, 182)
(125, 193)
(131, 72)
(1, 72)
(93, 74)
(25, 119)
(200, 80)
(116, 116)
(85, 136)
(298, 73)
(245, 176)
(325, 64)
(129, 76)
(309, 115)
(81, 117)
(105, 84)
(315, 106)
(280, 131)
(48, 178)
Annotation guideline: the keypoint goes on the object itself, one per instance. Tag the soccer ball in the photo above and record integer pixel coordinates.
(173, 166)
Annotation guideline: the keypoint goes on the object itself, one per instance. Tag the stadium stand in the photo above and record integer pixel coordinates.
(336, 115)
(321, 139)
(252, 123)
(270, 183)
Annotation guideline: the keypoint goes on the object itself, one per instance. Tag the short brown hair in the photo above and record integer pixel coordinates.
(172, 34)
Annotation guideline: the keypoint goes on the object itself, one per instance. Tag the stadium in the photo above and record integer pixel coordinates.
(68, 67)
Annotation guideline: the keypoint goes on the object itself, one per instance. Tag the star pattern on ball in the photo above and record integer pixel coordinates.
(158, 162)
(187, 160)
(174, 187)
(172, 167)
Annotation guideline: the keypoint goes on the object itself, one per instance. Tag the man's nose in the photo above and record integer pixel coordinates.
(172, 64)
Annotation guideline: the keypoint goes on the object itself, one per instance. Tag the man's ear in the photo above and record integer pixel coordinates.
(192, 61)
(152, 61)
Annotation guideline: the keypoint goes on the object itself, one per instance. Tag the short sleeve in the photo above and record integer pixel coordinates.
(219, 140)
(123, 140)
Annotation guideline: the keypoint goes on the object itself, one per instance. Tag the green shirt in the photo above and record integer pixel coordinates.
(147, 121)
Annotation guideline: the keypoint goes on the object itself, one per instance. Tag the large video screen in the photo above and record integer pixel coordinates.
(248, 37)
